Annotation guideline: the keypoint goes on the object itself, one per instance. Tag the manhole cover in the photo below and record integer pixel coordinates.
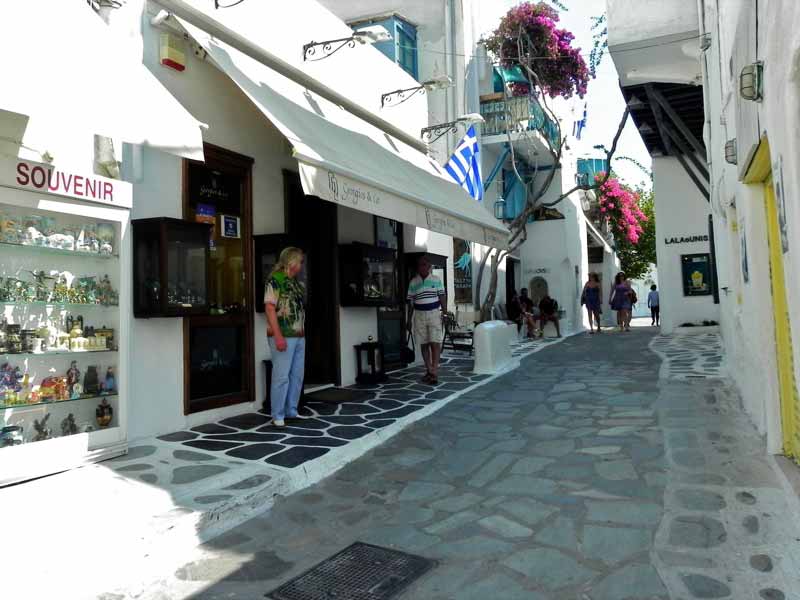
(359, 572)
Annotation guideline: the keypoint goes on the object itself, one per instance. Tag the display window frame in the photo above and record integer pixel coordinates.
(64, 452)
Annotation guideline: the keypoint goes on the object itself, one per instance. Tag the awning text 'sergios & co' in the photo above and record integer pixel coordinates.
(43, 178)
(342, 158)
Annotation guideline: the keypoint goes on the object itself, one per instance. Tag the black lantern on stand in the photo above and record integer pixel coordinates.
(369, 362)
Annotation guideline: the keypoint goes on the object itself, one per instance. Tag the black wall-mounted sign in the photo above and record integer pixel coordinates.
(696, 274)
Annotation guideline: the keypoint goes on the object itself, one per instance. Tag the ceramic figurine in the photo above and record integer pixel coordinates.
(110, 383)
(41, 286)
(73, 377)
(105, 235)
(9, 230)
(77, 391)
(11, 435)
(61, 289)
(91, 382)
(68, 425)
(33, 237)
(10, 378)
(104, 413)
(42, 430)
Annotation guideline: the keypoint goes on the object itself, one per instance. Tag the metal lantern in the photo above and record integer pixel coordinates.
(369, 362)
(750, 81)
(500, 209)
(730, 151)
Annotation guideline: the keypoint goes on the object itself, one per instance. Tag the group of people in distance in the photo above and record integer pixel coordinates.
(621, 299)
(523, 311)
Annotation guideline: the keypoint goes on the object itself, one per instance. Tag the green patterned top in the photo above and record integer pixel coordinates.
(286, 295)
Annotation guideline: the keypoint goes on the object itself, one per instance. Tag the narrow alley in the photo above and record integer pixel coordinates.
(580, 475)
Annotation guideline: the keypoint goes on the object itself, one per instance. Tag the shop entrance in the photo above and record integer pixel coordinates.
(512, 265)
(391, 319)
(218, 347)
(311, 223)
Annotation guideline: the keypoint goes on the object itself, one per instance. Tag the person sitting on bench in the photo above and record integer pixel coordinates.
(549, 313)
(528, 312)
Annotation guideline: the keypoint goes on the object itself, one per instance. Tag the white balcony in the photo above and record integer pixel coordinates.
(655, 41)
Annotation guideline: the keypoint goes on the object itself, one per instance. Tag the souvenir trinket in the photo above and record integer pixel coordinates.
(104, 413)
(27, 336)
(10, 435)
(91, 381)
(68, 425)
(13, 339)
(53, 389)
(110, 382)
(42, 430)
(73, 376)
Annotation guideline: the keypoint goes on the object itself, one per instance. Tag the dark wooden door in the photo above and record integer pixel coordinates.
(312, 226)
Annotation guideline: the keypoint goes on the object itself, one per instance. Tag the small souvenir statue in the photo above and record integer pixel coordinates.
(33, 237)
(107, 296)
(105, 235)
(73, 377)
(61, 288)
(68, 425)
(110, 382)
(42, 430)
(104, 413)
(11, 435)
(77, 391)
(10, 383)
(91, 382)
(41, 286)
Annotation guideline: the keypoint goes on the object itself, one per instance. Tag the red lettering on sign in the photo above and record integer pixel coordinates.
(77, 185)
(41, 179)
(90, 187)
(22, 174)
(108, 191)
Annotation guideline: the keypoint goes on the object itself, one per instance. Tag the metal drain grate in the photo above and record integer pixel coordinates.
(359, 572)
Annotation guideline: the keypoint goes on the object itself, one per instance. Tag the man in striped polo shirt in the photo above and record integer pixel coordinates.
(426, 304)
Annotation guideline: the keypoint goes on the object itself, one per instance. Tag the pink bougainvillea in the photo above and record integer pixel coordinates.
(620, 206)
(548, 50)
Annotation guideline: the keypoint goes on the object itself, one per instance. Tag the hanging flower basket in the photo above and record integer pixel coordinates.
(548, 50)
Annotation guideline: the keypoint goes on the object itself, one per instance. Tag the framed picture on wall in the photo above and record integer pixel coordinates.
(230, 226)
(696, 274)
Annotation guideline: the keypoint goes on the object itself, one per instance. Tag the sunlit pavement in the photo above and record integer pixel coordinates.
(579, 475)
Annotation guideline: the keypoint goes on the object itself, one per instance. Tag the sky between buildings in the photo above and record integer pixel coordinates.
(604, 100)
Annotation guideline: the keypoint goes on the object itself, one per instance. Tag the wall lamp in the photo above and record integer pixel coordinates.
(730, 152)
(500, 209)
(751, 82)
(368, 35)
(399, 96)
(434, 132)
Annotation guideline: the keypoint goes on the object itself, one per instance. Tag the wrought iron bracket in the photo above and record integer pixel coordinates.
(399, 96)
(327, 48)
(434, 132)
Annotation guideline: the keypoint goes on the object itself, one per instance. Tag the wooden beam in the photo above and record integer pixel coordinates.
(677, 121)
(665, 138)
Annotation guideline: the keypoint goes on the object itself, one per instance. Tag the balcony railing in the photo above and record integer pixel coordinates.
(526, 114)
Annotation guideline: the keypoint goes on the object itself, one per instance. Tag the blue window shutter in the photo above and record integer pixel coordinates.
(406, 43)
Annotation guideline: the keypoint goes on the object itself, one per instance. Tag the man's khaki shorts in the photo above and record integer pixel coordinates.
(428, 326)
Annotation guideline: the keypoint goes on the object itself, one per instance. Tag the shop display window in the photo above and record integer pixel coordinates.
(170, 267)
(59, 325)
(368, 275)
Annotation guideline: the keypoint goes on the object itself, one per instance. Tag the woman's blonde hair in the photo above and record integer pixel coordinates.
(288, 255)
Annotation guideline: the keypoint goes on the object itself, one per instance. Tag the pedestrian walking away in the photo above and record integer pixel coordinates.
(653, 303)
(621, 301)
(426, 306)
(590, 298)
(284, 305)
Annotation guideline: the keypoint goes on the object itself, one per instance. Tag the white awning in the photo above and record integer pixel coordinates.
(345, 160)
(63, 66)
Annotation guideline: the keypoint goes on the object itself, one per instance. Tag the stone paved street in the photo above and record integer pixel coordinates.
(578, 476)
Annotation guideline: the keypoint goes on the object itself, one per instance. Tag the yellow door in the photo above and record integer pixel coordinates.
(790, 401)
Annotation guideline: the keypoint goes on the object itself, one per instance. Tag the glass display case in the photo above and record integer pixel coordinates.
(60, 332)
(368, 275)
(170, 267)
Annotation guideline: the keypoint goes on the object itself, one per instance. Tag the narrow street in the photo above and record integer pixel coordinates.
(580, 475)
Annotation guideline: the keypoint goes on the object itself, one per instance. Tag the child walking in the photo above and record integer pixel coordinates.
(654, 306)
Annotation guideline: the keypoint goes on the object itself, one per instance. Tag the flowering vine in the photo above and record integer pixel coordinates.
(619, 205)
(545, 49)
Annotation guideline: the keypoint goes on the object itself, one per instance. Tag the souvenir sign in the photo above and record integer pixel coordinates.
(230, 226)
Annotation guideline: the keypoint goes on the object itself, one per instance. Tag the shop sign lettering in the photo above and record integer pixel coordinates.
(345, 192)
(441, 223)
(46, 178)
(686, 240)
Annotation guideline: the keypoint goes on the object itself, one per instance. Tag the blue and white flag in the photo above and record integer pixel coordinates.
(465, 165)
(577, 127)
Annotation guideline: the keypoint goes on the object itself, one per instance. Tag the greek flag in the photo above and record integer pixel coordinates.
(577, 127)
(465, 165)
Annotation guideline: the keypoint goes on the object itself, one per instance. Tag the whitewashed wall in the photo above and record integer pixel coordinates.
(681, 211)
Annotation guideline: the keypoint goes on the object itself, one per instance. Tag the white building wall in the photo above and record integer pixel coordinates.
(681, 212)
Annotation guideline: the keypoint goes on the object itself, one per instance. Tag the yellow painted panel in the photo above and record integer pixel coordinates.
(790, 400)
(760, 167)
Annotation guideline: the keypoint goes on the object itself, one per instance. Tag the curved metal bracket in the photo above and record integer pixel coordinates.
(327, 48)
(399, 96)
